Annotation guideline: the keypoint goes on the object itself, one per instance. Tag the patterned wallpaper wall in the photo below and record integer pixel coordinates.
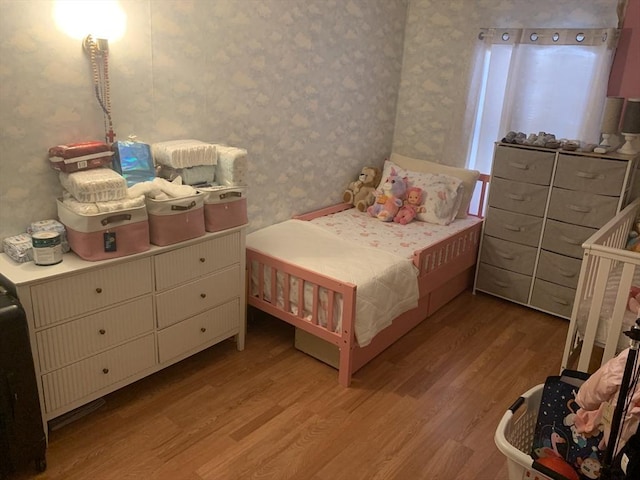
(308, 87)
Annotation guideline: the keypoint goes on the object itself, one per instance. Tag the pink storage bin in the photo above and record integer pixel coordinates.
(176, 219)
(106, 235)
(224, 207)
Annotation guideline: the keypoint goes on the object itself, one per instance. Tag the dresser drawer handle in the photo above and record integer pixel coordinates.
(567, 274)
(519, 166)
(501, 284)
(203, 295)
(516, 197)
(587, 175)
(202, 329)
(506, 256)
(202, 259)
(105, 370)
(513, 228)
(98, 290)
(579, 208)
(570, 241)
(561, 301)
(102, 331)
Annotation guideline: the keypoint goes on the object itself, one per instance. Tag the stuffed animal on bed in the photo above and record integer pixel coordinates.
(411, 207)
(361, 192)
(390, 198)
(633, 243)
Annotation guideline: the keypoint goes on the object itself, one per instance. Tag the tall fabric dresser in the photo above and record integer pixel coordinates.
(543, 204)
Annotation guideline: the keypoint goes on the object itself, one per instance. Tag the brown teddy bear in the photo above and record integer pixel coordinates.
(360, 193)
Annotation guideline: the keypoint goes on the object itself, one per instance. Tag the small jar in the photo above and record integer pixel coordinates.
(47, 248)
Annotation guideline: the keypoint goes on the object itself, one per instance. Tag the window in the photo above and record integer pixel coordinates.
(532, 80)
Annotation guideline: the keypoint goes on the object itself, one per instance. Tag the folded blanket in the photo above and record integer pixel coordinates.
(184, 153)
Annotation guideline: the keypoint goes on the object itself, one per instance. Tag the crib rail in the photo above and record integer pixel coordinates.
(604, 251)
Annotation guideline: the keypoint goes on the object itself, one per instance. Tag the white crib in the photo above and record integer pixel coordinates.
(600, 312)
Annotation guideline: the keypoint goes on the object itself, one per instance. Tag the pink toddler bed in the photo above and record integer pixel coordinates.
(357, 283)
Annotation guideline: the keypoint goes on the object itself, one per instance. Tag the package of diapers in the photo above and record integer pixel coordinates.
(95, 185)
(232, 166)
(184, 153)
(18, 247)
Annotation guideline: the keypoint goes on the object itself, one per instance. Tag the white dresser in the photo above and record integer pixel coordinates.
(543, 204)
(98, 326)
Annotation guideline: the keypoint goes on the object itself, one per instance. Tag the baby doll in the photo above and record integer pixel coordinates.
(634, 301)
(411, 207)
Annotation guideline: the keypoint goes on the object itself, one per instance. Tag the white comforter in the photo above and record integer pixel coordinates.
(387, 285)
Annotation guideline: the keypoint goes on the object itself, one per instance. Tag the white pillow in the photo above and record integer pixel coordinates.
(468, 177)
(441, 194)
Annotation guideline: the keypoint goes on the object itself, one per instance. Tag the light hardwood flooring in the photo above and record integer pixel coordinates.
(426, 408)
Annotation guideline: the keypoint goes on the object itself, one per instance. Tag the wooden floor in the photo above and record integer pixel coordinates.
(426, 408)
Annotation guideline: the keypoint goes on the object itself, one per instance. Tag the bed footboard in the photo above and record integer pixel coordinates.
(271, 281)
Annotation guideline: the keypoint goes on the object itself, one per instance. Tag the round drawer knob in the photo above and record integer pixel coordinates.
(203, 295)
(105, 370)
(202, 259)
(202, 329)
(102, 331)
(98, 290)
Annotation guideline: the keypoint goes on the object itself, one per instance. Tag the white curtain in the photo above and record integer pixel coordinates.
(533, 80)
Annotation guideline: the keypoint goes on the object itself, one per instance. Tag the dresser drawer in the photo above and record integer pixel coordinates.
(594, 175)
(72, 383)
(508, 255)
(72, 341)
(565, 238)
(553, 298)
(518, 197)
(195, 297)
(185, 264)
(199, 331)
(523, 165)
(68, 297)
(515, 227)
(559, 269)
(586, 209)
(504, 283)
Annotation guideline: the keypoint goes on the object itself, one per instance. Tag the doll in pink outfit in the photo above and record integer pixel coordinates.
(598, 397)
(411, 206)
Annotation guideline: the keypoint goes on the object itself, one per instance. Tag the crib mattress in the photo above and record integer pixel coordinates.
(386, 282)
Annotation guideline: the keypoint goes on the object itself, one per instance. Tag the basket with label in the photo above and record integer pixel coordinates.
(224, 207)
(175, 219)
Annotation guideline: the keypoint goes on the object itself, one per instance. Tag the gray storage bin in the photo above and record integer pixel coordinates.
(586, 209)
(565, 238)
(559, 269)
(508, 255)
(553, 298)
(530, 166)
(518, 197)
(503, 283)
(516, 227)
(594, 175)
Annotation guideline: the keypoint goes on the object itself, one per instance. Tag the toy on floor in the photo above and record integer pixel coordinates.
(390, 198)
(361, 193)
(411, 207)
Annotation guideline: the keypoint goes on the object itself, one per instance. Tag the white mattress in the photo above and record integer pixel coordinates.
(386, 282)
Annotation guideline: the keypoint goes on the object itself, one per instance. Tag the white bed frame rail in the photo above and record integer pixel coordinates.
(603, 251)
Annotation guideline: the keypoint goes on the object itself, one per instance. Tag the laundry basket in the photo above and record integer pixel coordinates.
(514, 436)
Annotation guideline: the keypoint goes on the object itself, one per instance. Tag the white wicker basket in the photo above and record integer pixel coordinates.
(514, 435)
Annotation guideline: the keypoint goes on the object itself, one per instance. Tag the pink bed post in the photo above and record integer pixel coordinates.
(348, 342)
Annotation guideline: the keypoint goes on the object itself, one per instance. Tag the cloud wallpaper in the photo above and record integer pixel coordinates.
(313, 89)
